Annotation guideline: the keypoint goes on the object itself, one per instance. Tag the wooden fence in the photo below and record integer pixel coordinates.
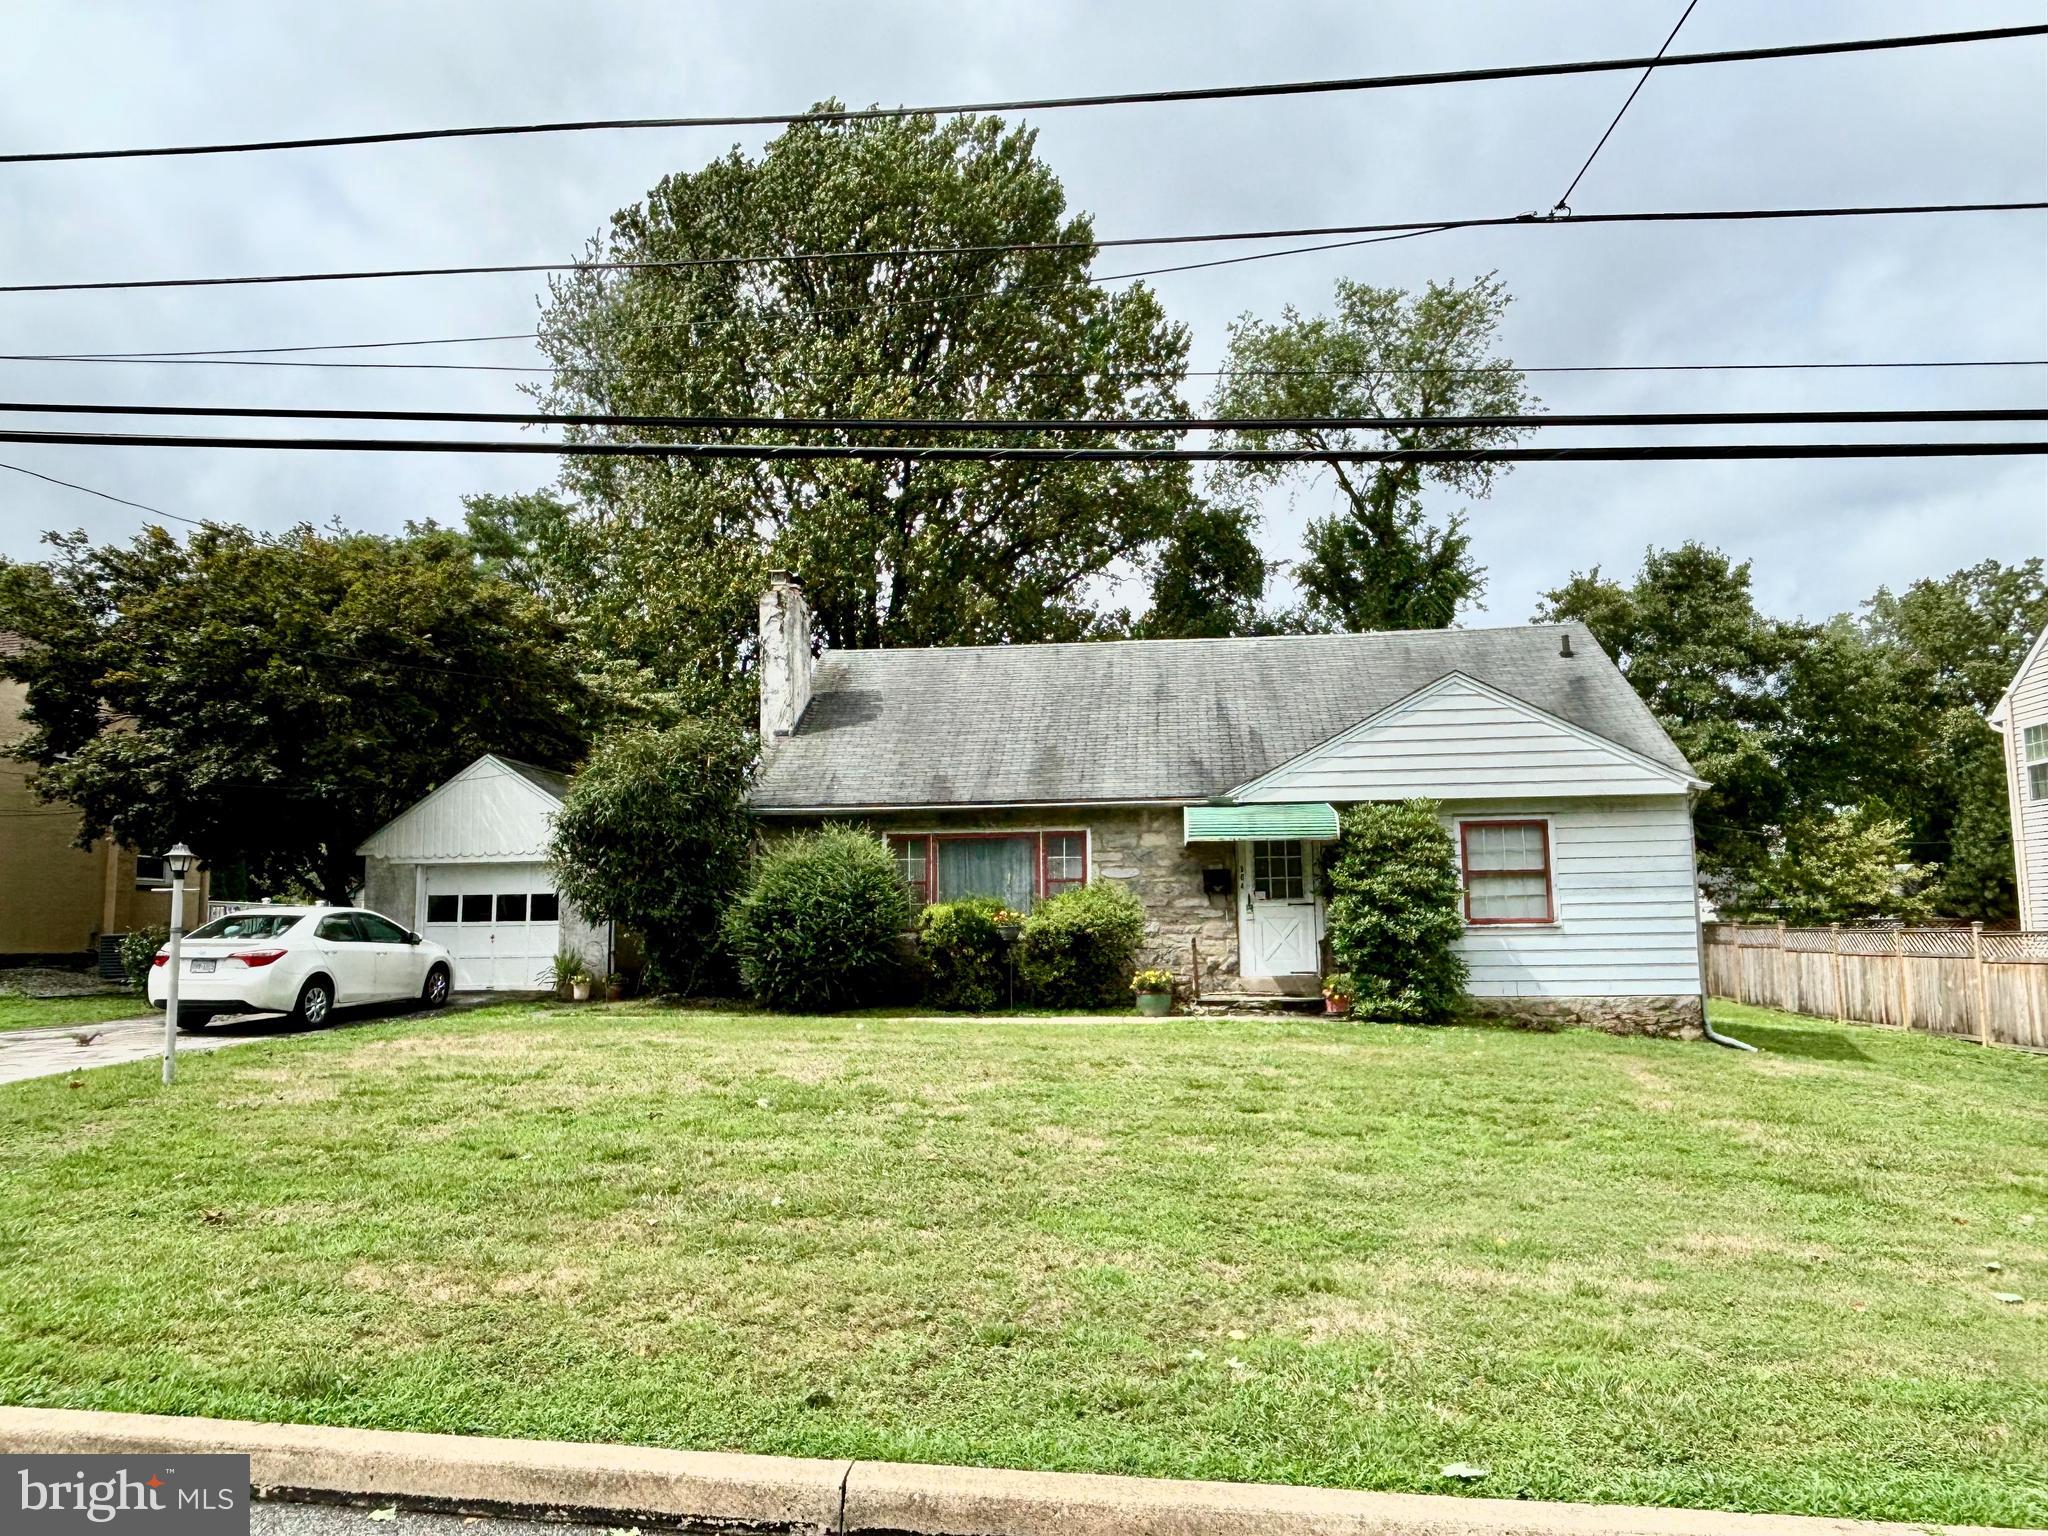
(1979, 984)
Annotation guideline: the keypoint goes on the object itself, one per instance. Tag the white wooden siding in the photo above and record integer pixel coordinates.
(488, 813)
(1622, 879)
(2027, 704)
(1459, 738)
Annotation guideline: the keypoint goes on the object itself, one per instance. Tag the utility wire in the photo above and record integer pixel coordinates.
(1563, 204)
(220, 358)
(892, 453)
(1053, 103)
(1407, 228)
(73, 485)
(1165, 424)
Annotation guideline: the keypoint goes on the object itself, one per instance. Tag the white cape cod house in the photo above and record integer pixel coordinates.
(1205, 774)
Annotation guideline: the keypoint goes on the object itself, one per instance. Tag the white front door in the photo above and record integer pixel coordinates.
(1279, 927)
(500, 922)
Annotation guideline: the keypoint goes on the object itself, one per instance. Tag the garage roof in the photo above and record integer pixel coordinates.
(497, 810)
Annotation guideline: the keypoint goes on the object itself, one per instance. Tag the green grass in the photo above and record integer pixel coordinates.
(18, 1012)
(1292, 1251)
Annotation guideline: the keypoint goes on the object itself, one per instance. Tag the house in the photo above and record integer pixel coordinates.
(2021, 717)
(64, 900)
(467, 867)
(1206, 774)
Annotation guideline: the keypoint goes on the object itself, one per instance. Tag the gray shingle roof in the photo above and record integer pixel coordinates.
(1150, 719)
(546, 779)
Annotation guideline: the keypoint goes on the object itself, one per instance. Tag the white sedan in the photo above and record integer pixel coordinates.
(304, 961)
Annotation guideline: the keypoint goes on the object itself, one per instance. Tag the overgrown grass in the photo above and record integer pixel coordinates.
(1294, 1251)
(18, 1012)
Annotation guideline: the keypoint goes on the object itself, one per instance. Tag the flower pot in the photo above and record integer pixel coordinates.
(1336, 1007)
(614, 990)
(579, 990)
(1155, 1005)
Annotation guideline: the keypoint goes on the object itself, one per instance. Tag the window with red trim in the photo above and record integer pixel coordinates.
(1015, 868)
(1507, 871)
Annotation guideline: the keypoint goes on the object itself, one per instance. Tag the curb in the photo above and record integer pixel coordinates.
(710, 1490)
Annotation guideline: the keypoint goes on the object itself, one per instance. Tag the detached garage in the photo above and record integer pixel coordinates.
(467, 867)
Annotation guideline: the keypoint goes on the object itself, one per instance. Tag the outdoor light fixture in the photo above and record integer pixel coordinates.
(178, 861)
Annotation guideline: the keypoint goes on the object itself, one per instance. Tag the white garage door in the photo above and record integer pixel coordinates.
(501, 922)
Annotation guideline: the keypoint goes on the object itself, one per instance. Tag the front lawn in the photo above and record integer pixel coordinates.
(1291, 1251)
(18, 1012)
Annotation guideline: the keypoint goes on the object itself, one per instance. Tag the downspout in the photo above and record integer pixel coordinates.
(1699, 935)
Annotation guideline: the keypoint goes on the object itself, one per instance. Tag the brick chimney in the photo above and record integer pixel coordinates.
(784, 657)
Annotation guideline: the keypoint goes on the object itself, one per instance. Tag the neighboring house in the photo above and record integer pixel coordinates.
(2021, 716)
(466, 867)
(1205, 774)
(59, 901)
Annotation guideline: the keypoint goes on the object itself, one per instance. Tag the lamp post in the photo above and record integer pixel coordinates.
(179, 861)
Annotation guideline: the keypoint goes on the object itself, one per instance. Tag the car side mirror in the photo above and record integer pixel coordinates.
(412, 938)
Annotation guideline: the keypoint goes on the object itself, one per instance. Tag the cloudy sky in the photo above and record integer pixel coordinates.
(1966, 123)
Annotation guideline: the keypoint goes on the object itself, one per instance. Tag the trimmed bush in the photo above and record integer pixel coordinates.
(1395, 912)
(653, 836)
(964, 961)
(1077, 948)
(137, 950)
(820, 924)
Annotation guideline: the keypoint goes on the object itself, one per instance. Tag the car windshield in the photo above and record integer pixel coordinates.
(247, 925)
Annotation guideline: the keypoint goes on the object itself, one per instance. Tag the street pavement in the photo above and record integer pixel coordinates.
(26, 1053)
(283, 1519)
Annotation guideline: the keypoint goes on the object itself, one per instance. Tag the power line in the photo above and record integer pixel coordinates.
(1563, 204)
(891, 453)
(1053, 103)
(1402, 229)
(73, 485)
(221, 357)
(1172, 424)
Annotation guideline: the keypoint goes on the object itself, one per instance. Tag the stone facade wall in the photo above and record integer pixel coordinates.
(1669, 1018)
(1136, 846)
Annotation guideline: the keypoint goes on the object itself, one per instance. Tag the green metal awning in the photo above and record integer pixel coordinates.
(1267, 823)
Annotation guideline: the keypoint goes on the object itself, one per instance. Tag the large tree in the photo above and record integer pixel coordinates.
(667, 556)
(272, 700)
(1378, 562)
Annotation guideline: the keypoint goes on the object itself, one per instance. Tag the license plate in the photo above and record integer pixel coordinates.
(203, 967)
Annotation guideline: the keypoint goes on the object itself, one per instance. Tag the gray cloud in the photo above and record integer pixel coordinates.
(1958, 123)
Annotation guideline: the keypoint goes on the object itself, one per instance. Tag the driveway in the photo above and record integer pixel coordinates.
(26, 1053)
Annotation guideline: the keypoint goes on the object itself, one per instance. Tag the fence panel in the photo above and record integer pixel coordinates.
(1991, 987)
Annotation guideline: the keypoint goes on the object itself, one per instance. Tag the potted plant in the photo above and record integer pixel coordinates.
(1008, 924)
(565, 974)
(614, 987)
(1338, 990)
(1155, 992)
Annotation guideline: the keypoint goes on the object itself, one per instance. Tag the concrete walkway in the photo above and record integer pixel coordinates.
(26, 1053)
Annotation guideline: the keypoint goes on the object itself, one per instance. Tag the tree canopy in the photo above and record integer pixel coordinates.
(1378, 562)
(271, 701)
(665, 559)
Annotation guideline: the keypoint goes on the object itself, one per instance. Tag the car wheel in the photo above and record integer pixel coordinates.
(315, 1004)
(435, 993)
(192, 1020)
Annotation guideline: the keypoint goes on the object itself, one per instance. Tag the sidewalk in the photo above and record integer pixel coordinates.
(620, 1485)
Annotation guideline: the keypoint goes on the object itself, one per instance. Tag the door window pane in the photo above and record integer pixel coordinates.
(1278, 873)
(379, 930)
(546, 907)
(442, 909)
(512, 909)
(340, 928)
(1002, 867)
(476, 909)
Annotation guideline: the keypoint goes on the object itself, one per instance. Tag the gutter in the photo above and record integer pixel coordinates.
(1699, 938)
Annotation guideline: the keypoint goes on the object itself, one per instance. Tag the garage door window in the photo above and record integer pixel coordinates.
(476, 909)
(546, 908)
(442, 909)
(512, 909)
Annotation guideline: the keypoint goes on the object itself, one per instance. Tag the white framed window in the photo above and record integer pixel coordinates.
(1279, 872)
(2034, 752)
(152, 872)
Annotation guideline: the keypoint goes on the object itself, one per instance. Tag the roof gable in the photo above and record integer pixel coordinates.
(1151, 721)
(2002, 710)
(494, 810)
(1460, 738)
